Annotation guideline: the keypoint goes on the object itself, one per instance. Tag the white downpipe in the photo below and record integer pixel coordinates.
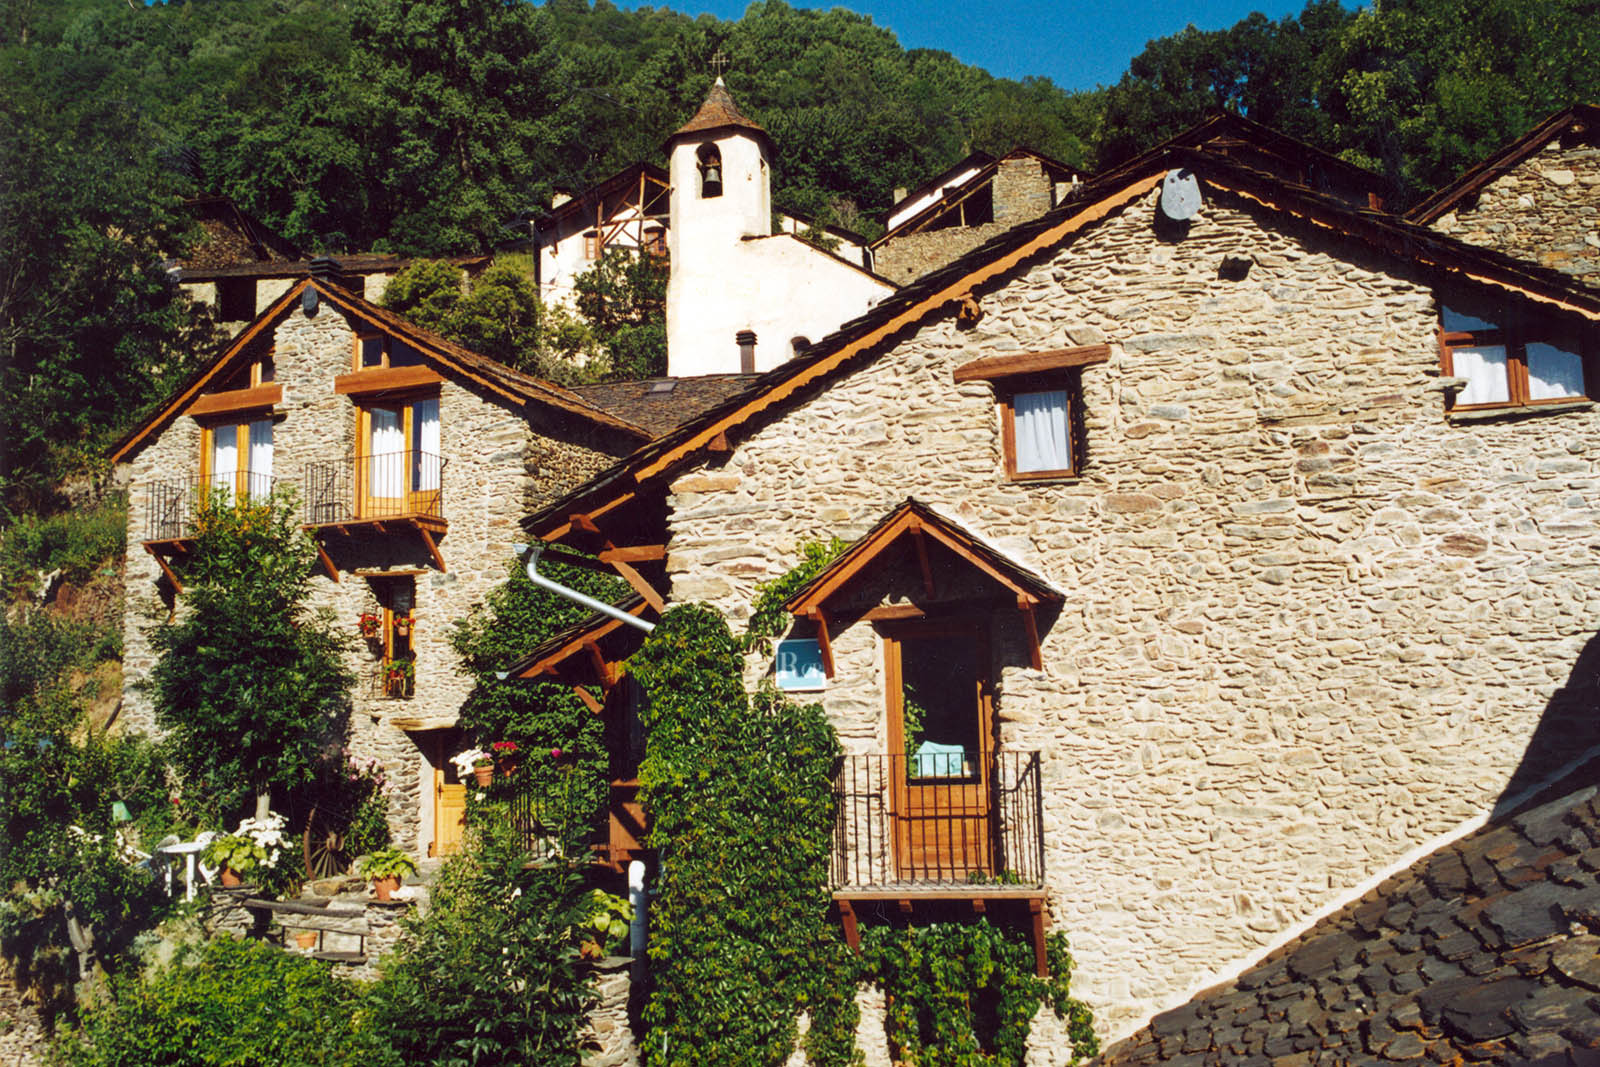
(532, 552)
(638, 899)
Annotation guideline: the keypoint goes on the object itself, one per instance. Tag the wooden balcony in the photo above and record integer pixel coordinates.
(378, 493)
(175, 510)
(937, 835)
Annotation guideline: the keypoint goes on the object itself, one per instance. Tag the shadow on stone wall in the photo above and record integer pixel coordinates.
(1568, 728)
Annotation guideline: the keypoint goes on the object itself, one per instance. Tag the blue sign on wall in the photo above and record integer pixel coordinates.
(799, 666)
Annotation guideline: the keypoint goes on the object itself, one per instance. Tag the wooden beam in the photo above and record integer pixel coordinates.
(326, 560)
(922, 559)
(1031, 624)
(852, 933)
(236, 400)
(172, 575)
(890, 612)
(640, 586)
(575, 560)
(588, 699)
(385, 379)
(979, 906)
(719, 444)
(1041, 959)
(823, 642)
(994, 367)
(584, 522)
(433, 547)
(634, 553)
(602, 669)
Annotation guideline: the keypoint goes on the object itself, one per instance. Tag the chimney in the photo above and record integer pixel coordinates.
(330, 271)
(747, 351)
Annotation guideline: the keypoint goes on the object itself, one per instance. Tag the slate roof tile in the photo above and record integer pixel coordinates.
(1487, 951)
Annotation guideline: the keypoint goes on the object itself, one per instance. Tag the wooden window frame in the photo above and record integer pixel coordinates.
(240, 425)
(1037, 372)
(1515, 331)
(414, 501)
(383, 358)
(591, 245)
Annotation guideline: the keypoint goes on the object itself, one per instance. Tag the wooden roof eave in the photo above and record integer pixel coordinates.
(579, 642)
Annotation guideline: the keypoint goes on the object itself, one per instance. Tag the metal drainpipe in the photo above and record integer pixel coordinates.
(532, 553)
(638, 897)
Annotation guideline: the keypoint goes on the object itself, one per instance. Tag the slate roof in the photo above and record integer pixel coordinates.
(1486, 951)
(358, 263)
(718, 112)
(661, 405)
(1578, 120)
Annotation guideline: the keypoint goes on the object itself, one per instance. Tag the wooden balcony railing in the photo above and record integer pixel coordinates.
(936, 821)
(175, 506)
(391, 485)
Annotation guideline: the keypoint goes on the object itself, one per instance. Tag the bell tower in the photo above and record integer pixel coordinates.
(720, 164)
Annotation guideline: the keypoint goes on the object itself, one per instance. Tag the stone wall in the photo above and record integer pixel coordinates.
(500, 460)
(1309, 623)
(1022, 191)
(1544, 210)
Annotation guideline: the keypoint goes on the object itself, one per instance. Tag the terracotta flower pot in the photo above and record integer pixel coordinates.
(306, 939)
(231, 879)
(385, 887)
(484, 775)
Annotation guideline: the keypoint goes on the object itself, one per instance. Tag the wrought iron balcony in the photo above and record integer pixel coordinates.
(391, 485)
(394, 680)
(937, 820)
(175, 507)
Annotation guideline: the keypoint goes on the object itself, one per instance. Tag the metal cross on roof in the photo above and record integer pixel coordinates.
(720, 62)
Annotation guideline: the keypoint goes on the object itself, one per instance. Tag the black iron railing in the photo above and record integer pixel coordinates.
(937, 821)
(391, 485)
(553, 812)
(175, 507)
(395, 680)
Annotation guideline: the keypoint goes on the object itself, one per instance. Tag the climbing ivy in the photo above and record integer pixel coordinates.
(964, 995)
(739, 797)
(767, 617)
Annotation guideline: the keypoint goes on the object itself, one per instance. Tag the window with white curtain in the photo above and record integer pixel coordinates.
(425, 458)
(1043, 433)
(1509, 358)
(239, 458)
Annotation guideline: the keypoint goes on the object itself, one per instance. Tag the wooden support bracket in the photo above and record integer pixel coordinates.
(922, 559)
(433, 548)
(823, 641)
(640, 586)
(583, 522)
(1041, 920)
(852, 933)
(588, 699)
(1026, 605)
(166, 568)
(327, 561)
(633, 553)
(603, 670)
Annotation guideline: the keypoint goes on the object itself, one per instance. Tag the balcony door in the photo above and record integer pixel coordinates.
(236, 458)
(941, 744)
(398, 466)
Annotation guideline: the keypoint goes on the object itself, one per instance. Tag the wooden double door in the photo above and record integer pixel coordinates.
(941, 751)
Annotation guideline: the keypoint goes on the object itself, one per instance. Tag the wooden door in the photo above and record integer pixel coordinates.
(449, 796)
(941, 748)
(381, 468)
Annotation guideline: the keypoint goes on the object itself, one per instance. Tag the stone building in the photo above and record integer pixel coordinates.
(1535, 199)
(413, 458)
(1204, 532)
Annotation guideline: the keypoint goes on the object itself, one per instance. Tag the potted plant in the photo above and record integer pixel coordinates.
(474, 762)
(403, 625)
(399, 678)
(386, 867)
(256, 846)
(483, 770)
(506, 754)
(306, 939)
(371, 625)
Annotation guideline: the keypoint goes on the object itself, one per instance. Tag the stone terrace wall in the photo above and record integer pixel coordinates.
(1546, 210)
(496, 466)
(1309, 623)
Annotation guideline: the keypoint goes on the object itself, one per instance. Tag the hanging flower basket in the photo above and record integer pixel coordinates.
(403, 625)
(484, 773)
(507, 756)
(371, 625)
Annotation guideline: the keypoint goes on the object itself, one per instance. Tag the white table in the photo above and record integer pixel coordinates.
(189, 850)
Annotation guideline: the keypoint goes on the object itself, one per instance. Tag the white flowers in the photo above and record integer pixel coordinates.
(464, 761)
(267, 835)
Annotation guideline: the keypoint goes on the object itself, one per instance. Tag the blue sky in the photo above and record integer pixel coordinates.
(1078, 45)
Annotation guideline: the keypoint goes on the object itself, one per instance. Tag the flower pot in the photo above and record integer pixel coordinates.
(384, 887)
(231, 879)
(306, 939)
(508, 767)
(484, 775)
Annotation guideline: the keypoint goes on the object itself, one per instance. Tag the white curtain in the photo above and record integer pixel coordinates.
(387, 454)
(1553, 373)
(224, 458)
(260, 459)
(1043, 443)
(425, 426)
(1484, 368)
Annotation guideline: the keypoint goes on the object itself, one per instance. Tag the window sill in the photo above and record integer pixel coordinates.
(1517, 414)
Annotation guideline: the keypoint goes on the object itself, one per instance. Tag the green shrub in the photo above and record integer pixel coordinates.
(230, 1002)
(79, 542)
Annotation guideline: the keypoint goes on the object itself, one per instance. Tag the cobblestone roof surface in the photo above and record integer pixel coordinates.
(661, 405)
(1484, 952)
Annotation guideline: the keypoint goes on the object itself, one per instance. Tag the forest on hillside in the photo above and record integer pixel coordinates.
(437, 126)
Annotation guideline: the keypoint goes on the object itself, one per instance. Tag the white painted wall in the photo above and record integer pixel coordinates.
(907, 208)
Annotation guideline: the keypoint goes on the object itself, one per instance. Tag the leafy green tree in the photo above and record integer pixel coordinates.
(250, 686)
(623, 297)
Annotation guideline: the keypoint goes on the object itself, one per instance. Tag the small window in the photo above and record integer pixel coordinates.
(709, 159)
(1040, 397)
(369, 350)
(236, 299)
(591, 245)
(655, 241)
(1509, 359)
(1039, 437)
